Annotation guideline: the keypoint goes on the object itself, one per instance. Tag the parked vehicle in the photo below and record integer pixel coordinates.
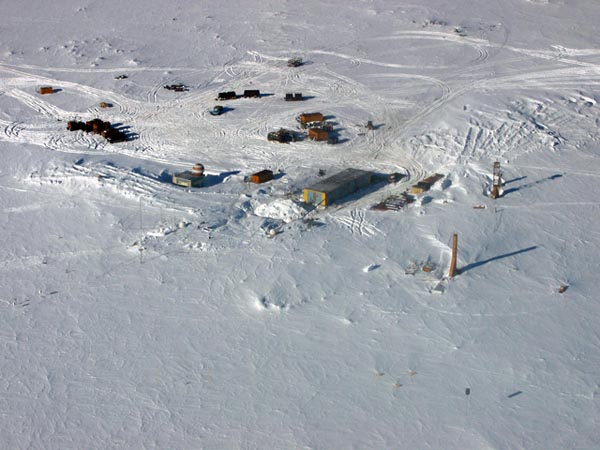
(178, 87)
(229, 95)
(217, 111)
(294, 62)
(293, 97)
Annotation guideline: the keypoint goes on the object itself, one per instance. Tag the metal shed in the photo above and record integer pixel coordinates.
(337, 186)
(188, 179)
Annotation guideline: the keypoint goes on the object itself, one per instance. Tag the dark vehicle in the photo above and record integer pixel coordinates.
(113, 135)
(282, 135)
(294, 62)
(121, 77)
(176, 87)
(230, 95)
(296, 97)
(251, 93)
(217, 111)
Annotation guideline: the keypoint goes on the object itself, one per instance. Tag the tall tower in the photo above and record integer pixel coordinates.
(452, 270)
(496, 181)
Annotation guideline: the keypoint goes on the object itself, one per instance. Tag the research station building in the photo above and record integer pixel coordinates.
(337, 186)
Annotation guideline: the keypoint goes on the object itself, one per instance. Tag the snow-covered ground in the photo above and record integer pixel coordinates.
(138, 314)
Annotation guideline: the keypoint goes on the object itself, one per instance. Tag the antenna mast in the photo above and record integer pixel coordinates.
(496, 181)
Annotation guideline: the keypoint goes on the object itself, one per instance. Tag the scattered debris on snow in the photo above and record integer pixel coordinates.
(286, 210)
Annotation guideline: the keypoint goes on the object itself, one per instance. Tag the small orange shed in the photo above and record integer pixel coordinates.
(46, 90)
(261, 177)
(310, 117)
(318, 135)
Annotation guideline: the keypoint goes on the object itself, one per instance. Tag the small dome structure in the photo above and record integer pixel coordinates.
(198, 170)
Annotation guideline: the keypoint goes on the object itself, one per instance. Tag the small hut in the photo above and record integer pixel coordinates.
(318, 134)
(195, 178)
(306, 118)
(46, 90)
(261, 177)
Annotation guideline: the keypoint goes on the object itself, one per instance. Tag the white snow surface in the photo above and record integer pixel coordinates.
(285, 210)
(139, 314)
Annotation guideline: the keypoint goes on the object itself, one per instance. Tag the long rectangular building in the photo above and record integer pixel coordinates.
(337, 186)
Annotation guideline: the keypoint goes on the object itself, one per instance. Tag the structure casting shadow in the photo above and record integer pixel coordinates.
(495, 258)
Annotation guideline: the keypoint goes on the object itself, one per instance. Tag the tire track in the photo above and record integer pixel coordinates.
(126, 105)
(38, 105)
(12, 130)
(357, 224)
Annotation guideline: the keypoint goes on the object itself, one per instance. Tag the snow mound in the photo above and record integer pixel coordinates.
(285, 210)
(370, 268)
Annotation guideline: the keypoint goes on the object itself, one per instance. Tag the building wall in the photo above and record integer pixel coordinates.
(182, 181)
(316, 198)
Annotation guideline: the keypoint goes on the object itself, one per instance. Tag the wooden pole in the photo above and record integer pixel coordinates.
(452, 271)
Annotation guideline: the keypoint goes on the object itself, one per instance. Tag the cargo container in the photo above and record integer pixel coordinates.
(337, 186)
(306, 118)
(261, 177)
(46, 90)
(226, 95)
(425, 184)
(432, 179)
(251, 93)
(317, 134)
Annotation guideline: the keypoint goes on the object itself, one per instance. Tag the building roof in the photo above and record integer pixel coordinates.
(339, 179)
(187, 175)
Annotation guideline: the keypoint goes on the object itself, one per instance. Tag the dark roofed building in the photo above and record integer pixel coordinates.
(340, 185)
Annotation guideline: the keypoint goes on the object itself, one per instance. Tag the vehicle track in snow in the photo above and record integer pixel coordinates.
(13, 129)
(37, 104)
(132, 184)
(358, 224)
(386, 145)
(28, 80)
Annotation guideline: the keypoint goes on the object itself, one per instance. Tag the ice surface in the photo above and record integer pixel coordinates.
(139, 314)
